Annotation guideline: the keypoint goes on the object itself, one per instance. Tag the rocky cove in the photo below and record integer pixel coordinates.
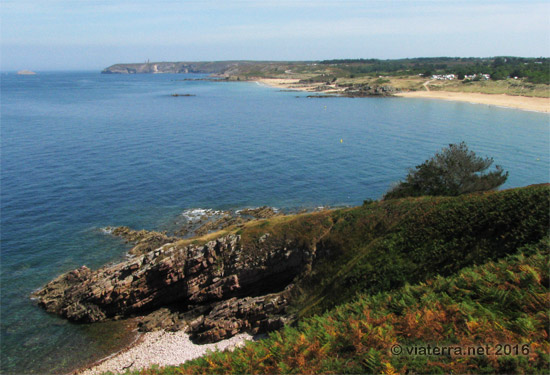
(212, 289)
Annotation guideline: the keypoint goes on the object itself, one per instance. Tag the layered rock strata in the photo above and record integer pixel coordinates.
(215, 290)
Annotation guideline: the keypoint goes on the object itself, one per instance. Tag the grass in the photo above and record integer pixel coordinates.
(509, 87)
(383, 245)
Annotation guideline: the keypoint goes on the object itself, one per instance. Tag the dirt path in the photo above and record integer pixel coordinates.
(425, 84)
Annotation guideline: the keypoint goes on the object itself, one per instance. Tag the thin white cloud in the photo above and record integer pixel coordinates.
(173, 28)
(238, 29)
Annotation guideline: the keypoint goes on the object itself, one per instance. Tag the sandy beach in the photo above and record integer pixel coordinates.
(160, 348)
(518, 102)
(293, 84)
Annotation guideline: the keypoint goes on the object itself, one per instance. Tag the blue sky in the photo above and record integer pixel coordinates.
(90, 35)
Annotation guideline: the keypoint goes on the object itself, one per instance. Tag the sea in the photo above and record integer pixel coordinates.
(81, 151)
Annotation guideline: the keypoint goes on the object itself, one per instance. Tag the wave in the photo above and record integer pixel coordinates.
(107, 230)
(196, 214)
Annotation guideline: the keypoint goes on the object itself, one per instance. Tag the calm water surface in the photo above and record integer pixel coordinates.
(81, 151)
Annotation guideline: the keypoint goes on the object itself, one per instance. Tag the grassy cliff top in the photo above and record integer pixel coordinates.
(478, 263)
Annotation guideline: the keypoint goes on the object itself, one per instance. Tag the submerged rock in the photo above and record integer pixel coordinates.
(144, 240)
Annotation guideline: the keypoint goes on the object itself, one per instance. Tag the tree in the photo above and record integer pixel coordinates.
(452, 171)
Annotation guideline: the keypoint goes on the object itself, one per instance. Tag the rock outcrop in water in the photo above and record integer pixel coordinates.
(365, 90)
(215, 290)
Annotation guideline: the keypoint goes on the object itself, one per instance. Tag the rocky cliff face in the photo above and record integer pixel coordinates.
(174, 67)
(148, 68)
(215, 290)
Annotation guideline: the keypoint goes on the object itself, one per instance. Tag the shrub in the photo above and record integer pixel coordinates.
(453, 171)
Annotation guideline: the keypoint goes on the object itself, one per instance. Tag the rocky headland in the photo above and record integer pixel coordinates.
(211, 289)
(212, 67)
(321, 89)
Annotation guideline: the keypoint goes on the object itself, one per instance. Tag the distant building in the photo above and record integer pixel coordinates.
(444, 77)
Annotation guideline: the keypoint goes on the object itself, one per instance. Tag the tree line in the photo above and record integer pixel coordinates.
(534, 70)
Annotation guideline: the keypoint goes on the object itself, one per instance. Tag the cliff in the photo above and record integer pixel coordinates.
(174, 67)
(213, 289)
(209, 289)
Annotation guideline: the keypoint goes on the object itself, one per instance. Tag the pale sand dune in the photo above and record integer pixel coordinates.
(161, 348)
(518, 102)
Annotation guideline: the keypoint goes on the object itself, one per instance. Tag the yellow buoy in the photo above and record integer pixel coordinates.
(341, 141)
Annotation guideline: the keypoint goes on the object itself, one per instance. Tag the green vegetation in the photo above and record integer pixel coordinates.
(534, 70)
(358, 301)
(453, 171)
(531, 70)
(383, 245)
(517, 87)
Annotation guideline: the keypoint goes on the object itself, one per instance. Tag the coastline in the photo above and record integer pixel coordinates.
(533, 104)
(159, 348)
(286, 84)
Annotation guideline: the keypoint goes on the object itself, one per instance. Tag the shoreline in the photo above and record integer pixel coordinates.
(161, 348)
(525, 103)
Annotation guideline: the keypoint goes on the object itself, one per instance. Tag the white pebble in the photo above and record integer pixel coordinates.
(163, 349)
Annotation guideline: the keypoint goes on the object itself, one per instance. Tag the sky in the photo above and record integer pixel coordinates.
(45, 35)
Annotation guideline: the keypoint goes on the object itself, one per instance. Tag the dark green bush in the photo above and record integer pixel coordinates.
(453, 171)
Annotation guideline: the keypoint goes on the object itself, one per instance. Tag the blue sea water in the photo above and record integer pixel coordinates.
(81, 151)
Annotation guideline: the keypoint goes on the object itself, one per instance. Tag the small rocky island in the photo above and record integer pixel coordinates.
(26, 73)
(212, 289)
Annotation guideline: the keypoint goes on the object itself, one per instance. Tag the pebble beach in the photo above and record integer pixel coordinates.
(161, 348)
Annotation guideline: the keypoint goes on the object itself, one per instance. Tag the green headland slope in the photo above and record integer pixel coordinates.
(411, 274)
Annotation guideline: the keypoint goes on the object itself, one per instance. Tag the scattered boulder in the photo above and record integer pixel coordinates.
(251, 314)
